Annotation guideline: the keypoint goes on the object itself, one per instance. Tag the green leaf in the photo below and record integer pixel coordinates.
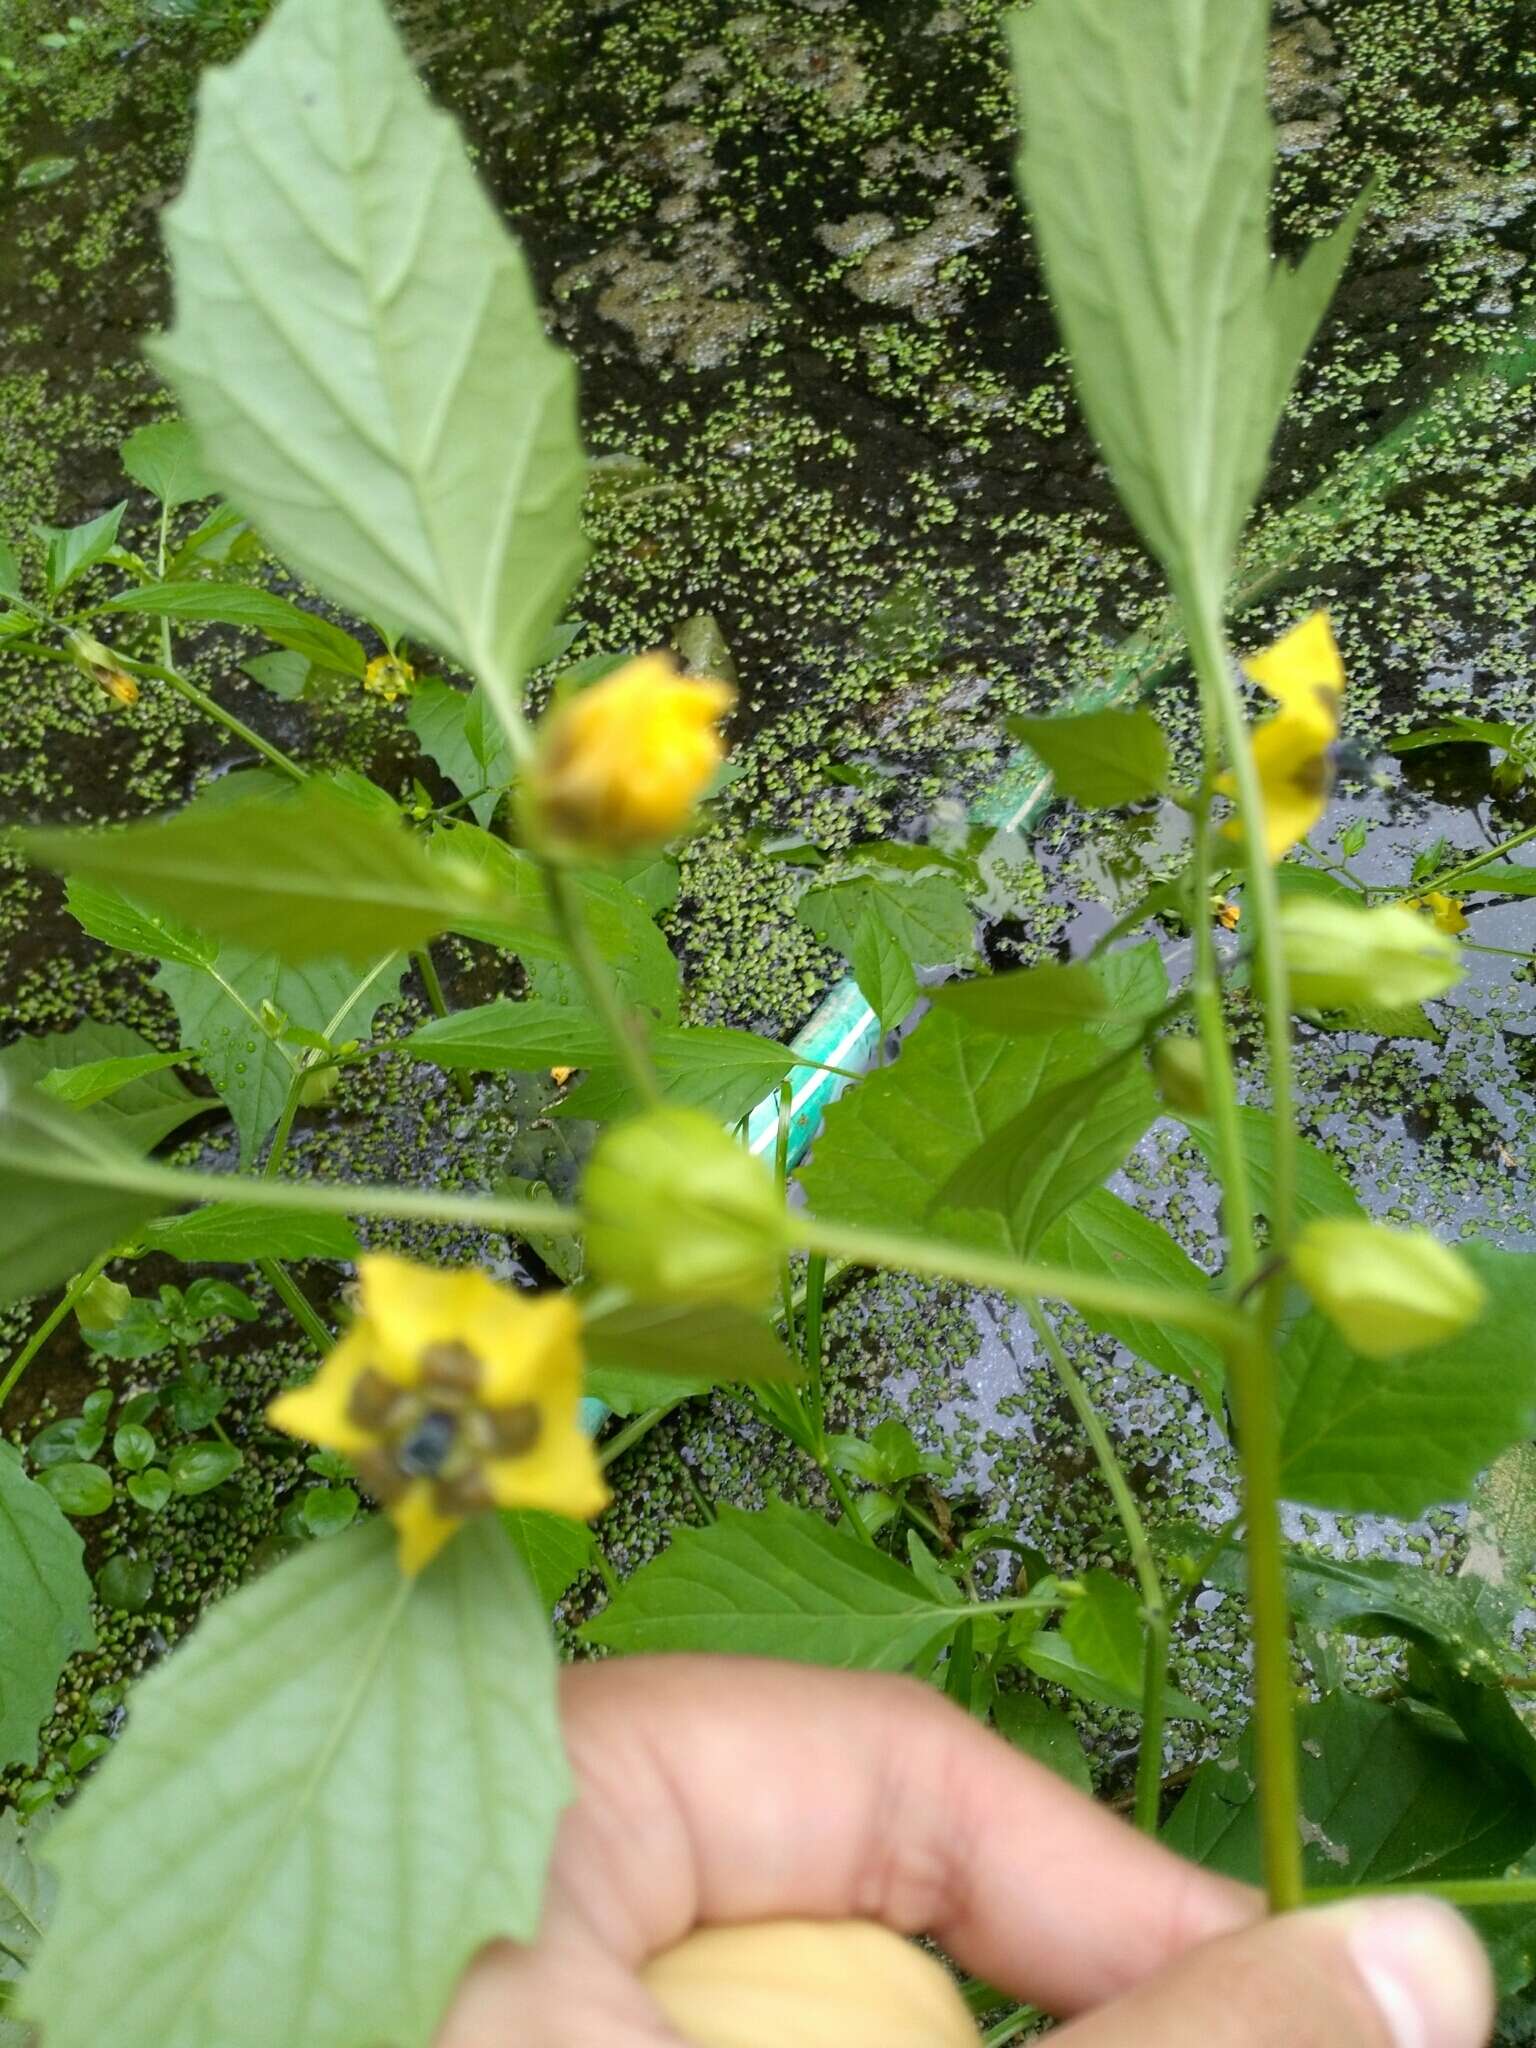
(1044, 1733)
(1100, 758)
(58, 1205)
(10, 574)
(1387, 1797)
(1454, 730)
(241, 604)
(26, 1907)
(704, 1066)
(1321, 1189)
(138, 1111)
(642, 1354)
(82, 1087)
(1097, 1651)
(1501, 1537)
(1070, 1139)
(1146, 165)
(199, 1468)
(437, 714)
(219, 1007)
(78, 1488)
(352, 1771)
(74, 549)
(45, 1616)
(163, 458)
(1101, 1235)
(890, 1143)
(235, 1233)
(314, 874)
(1395, 1436)
(1029, 999)
(555, 1550)
(106, 914)
(286, 675)
(378, 390)
(782, 1583)
(882, 968)
(1505, 878)
(927, 915)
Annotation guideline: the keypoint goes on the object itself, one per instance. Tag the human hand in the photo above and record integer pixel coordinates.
(716, 1790)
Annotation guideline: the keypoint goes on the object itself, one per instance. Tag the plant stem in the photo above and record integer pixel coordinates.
(278, 1150)
(623, 1025)
(1011, 2028)
(810, 1338)
(633, 1431)
(1449, 877)
(781, 1175)
(288, 1291)
(1456, 1891)
(1149, 1758)
(77, 1289)
(211, 708)
(846, 1501)
(426, 967)
(939, 1260)
(1220, 1083)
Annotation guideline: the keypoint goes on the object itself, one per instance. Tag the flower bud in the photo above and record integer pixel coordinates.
(621, 764)
(1387, 1291)
(1178, 1067)
(389, 677)
(1340, 957)
(813, 1983)
(676, 1210)
(102, 1306)
(100, 664)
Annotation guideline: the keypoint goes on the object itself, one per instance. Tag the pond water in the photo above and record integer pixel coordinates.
(782, 240)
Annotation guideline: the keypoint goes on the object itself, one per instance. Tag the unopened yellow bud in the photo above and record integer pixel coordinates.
(676, 1210)
(1340, 958)
(622, 764)
(122, 688)
(809, 1983)
(1387, 1291)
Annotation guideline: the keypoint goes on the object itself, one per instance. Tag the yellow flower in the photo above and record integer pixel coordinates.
(1444, 911)
(452, 1395)
(1228, 914)
(1293, 750)
(622, 764)
(388, 677)
(123, 689)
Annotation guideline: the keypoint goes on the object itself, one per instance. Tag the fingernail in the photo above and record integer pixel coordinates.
(1424, 1970)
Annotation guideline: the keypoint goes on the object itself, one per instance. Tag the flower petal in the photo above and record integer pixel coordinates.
(319, 1412)
(1304, 672)
(422, 1529)
(561, 1474)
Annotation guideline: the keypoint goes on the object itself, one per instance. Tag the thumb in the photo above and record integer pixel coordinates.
(1373, 1973)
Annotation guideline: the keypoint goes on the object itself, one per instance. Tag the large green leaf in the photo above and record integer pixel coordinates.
(1321, 1189)
(705, 1066)
(45, 1610)
(1037, 1163)
(1395, 1436)
(163, 458)
(235, 1233)
(1103, 1236)
(640, 1354)
(1098, 1650)
(359, 346)
(223, 1007)
(106, 914)
(1386, 1797)
(439, 716)
(781, 1583)
(339, 1788)
(58, 1205)
(139, 1113)
(303, 876)
(1146, 165)
(26, 1907)
(1028, 1000)
(239, 604)
(927, 915)
(1100, 758)
(891, 1143)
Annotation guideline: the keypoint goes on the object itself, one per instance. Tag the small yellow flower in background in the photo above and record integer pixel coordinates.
(388, 677)
(452, 1394)
(1229, 914)
(622, 763)
(1304, 674)
(1444, 911)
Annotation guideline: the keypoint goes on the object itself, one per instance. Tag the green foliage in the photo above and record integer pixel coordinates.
(239, 604)
(1031, 999)
(1044, 1733)
(74, 549)
(240, 1232)
(88, 1071)
(479, 763)
(59, 1204)
(408, 442)
(45, 1617)
(1146, 166)
(1097, 1651)
(26, 1906)
(163, 458)
(641, 1353)
(388, 1781)
(555, 1550)
(926, 915)
(1100, 758)
(778, 1584)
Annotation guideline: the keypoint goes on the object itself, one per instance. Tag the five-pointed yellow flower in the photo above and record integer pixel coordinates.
(389, 677)
(1445, 911)
(452, 1394)
(1292, 751)
(622, 763)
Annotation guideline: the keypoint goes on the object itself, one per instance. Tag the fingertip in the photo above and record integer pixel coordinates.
(1422, 1968)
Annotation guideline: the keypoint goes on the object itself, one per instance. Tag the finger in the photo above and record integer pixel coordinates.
(1400, 1973)
(718, 1789)
(567, 1992)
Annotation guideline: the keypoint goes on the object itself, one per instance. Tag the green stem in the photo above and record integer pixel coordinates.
(1251, 1357)
(1011, 2028)
(781, 1175)
(977, 1268)
(1451, 876)
(623, 1025)
(426, 967)
(1220, 1082)
(288, 1291)
(632, 1432)
(1456, 1891)
(846, 1502)
(278, 1151)
(165, 623)
(1149, 1757)
(77, 1289)
(811, 1338)
(211, 708)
